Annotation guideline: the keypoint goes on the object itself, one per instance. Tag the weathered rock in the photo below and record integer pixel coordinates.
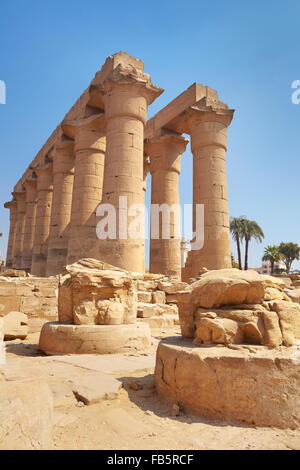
(14, 273)
(289, 320)
(97, 295)
(158, 297)
(228, 287)
(145, 310)
(186, 313)
(272, 293)
(162, 322)
(15, 325)
(145, 297)
(218, 331)
(145, 286)
(294, 295)
(272, 331)
(91, 265)
(287, 281)
(65, 301)
(93, 388)
(56, 338)
(172, 287)
(261, 389)
(26, 415)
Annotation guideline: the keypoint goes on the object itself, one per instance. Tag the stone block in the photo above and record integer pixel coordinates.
(260, 389)
(15, 325)
(158, 297)
(145, 297)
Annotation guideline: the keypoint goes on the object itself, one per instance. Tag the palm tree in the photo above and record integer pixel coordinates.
(236, 228)
(290, 252)
(273, 255)
(251, 230)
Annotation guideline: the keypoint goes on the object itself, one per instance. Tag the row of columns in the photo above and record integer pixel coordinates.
(53, 218)
(53, 221)
(101, 158)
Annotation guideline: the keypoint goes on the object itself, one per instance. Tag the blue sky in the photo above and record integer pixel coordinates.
(248, 51)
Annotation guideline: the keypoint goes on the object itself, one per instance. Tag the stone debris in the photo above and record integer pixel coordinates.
(235, 307)
(15, 325)
(93, 388)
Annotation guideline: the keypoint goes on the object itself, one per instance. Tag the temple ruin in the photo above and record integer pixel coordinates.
(102, 151)
(206, 339)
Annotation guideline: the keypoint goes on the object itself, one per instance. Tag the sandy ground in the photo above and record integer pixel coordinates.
(137, 419)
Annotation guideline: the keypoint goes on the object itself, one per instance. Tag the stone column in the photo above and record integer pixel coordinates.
(43, 216)
(30, 186)
(63, 178)
(12, 206)
(20, 228)
(165, 157)
(90, 145)
(127, 94)
(209, 144)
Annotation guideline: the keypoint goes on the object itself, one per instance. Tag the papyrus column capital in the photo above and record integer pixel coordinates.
(30, 186)
(127, 91)
(20, 197)
(165, 152)
(45, 177)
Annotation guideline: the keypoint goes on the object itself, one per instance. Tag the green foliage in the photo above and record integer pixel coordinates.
(245, 230)
(273, 255)
(290, 252)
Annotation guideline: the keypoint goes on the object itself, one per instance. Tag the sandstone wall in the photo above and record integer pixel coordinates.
(34, 296)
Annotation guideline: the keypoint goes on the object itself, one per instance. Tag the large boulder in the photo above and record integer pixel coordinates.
(95, 293)
(244, 324)
(232, 286)
(229, 306)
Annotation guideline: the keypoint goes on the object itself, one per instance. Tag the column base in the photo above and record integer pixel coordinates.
(56, 338)
(260, 388)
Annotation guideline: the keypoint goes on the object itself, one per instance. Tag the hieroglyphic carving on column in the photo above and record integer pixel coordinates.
(127, 93)
(43, 216)
(165, 157)
(31, 204)
(63, 178)
(208, 122)
(12, 206)
(90, 143)
(20, 227)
